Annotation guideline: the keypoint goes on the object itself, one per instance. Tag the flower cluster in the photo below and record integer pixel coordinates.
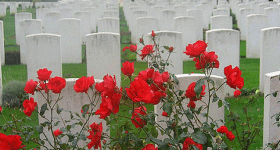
(29, 106)
(111, 96)
(136, 116)
(190, 93)
(224, 130)
(148, 87)
(95, 135)
(83, 84)
(10, 142)
(189, 143)
(234, 79)
(150, 147)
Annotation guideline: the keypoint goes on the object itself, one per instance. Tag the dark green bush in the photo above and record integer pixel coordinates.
(12, 57)
(14, 95)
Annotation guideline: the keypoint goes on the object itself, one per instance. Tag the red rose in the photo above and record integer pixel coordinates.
(234, 79)
(29, 106)
(165, 77)
(44, 74)
(95, 136)
(194, 50)
(136, 119)
(191, 104)
(30, 86)
(148, 49)
(105, 109)
(57, 132)
(153, 33)
(139, 91)
(0, 109)
(191, 94)
(207, 60)
(56, 84)
(83, 84)
(230, 136)
(165, 114)
(150, 147)
(237, 93)
(14, 142)
(222, 129)
(151, 76)
(171, 49)
(141, 40)
(132, 48)
(128, 68)
(188, 143)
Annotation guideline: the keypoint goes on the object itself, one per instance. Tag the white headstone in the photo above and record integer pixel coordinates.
(108, 25)
(103, 55)
(93, 17)
(269, 52)
(110, 13)
(262, 6)
(145, 25)
(184, 81)
(40, 13)
(242, 21)
(166, 20)
(226, 44)
(13, 7)
(174, 39)
(272, 14)
(180, 10)
(27, 27)
(197, 14)
(223, 12)
(271, 132)
(66, 13)
(84, 16)
(43, 52)
(134, 15)
(70, 40)
(187, 26)
(2, 9)
(19, 17)
(255, 23)
(2, 50)
(50, 23)
(221, 22)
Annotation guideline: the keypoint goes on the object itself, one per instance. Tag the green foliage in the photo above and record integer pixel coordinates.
(14, 95)
(12, 57)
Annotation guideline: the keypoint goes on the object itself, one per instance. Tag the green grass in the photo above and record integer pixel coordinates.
(249, 68)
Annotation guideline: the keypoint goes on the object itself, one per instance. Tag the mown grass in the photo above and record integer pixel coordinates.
(249, 68)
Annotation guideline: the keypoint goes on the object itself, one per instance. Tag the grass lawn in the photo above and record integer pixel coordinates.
(249, 68)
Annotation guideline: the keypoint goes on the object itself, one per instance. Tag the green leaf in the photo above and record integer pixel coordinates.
(215, 98)
(44, 107)
(274, 93)
(226, 104)
(167, 107)
(29, 135)
(158, 142)
(85, 109)
(154, 132)
(166, 47)
(220, 103)
(199, 137)
(83, 137)
(189, 114)
(39, 129)
(198, 86)
(58, 110)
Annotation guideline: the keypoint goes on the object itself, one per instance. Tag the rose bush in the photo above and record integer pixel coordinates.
(150, 87)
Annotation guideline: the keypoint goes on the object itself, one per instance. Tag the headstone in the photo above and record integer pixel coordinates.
(187, 26)
(269, 52)
(108, 25)
(50, 22)
(145, 25)
(19, 17)
(2, 9)
(226, 44)
(103, 55)
(184, 81)
(242, 21)
(223, 12)
(271, 132)
(110, 13)
(134, 15)
(255, 23)
(166, 20)
(71, 101)
(66, 13)
(199, 28)
(272, 14)
(84, 16)
(180, 10)
(27, 27)
(43, 52)
(155, 11)
(221, 22)
(262, 6)
(189, 5)
(93, 17)
(2, 50)
(174, 39)
(70, 40)
(13, 7)
(40, 13)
